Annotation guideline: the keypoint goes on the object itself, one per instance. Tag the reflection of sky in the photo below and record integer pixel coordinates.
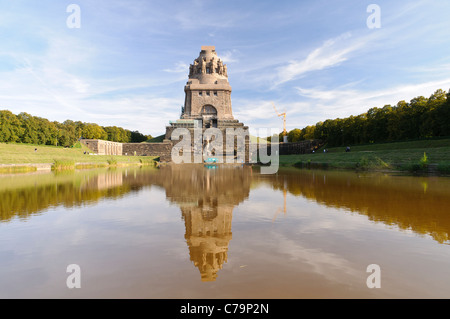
(337, 245)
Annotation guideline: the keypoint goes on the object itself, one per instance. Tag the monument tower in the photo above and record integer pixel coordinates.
(207, 101)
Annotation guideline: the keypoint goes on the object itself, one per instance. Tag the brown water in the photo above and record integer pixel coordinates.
(193, 232)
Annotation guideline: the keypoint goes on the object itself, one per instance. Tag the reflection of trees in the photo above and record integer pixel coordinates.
(417, 204)
(68, 190)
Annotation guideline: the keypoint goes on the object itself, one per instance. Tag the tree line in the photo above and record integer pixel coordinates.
(420, 118)
(26, 128)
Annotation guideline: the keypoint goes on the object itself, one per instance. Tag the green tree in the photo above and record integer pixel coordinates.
(11, 129)
(308, 132)
(430, 119)
(442, 117)
(294, 135)
(137, 137)
(94, 131)
(68, 135)
(30, 128)
(377, 124)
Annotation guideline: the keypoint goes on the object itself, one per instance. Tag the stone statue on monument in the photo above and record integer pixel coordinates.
(203, 67)
(213, 66)
(220, 64)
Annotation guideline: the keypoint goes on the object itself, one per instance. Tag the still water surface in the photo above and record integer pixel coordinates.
(193, 232)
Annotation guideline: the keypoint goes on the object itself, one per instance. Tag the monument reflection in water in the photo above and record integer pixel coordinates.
(206, 198)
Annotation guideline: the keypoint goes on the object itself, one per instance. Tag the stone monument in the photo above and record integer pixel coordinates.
(207, 101)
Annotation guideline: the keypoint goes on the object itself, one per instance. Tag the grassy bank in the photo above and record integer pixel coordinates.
(17, 169)
(412, 156)
(63, 158)
(157, 139)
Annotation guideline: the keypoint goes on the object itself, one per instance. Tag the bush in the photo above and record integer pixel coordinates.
(63, 164)
(77, 145)
(112, 161)
(363, 163)
(299, 164)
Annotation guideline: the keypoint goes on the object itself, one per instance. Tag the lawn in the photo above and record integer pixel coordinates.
(399, 155)
(26, 153)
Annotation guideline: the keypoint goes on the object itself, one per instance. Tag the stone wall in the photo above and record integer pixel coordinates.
(303, 147)
(102, 147)
(163, 150)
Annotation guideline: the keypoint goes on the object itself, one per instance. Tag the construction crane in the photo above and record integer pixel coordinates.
(284, 122)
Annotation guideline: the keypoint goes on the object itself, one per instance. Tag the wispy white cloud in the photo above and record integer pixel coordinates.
(179, 67)
(229, 56)
(260, 114)
(56, 92)
(331, 53)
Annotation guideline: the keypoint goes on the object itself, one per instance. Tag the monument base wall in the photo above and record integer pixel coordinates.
(162, 150)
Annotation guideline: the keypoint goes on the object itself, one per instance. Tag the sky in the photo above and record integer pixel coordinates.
(126, 62)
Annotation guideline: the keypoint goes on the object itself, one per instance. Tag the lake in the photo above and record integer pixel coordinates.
(189, 231)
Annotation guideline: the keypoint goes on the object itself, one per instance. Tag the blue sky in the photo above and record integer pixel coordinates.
(128, 62)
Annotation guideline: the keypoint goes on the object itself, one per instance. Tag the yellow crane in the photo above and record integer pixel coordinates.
(284, 120)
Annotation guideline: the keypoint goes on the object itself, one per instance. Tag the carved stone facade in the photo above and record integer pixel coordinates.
(208, 93)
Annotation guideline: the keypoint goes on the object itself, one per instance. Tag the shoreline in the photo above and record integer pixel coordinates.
(430, 170)
(33, 167)
(5, 169)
